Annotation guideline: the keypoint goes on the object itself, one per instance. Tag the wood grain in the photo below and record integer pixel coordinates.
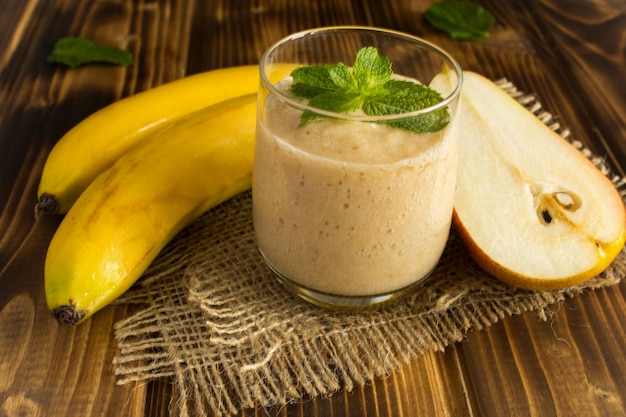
(52, 371)
(567, 354)
(571, 54)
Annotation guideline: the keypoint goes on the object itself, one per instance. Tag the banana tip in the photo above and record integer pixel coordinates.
(47, 204)
(67, 315)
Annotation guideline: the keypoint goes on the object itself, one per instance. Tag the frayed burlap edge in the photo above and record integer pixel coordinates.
(212, 318)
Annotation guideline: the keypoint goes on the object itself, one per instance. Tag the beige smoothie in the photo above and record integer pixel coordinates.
(351, 208)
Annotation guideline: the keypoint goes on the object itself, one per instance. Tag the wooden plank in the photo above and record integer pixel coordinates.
(570, 54)
(566, 366)
(48, 370)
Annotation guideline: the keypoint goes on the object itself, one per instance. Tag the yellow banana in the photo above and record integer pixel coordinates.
(99, 140)
(126, 216)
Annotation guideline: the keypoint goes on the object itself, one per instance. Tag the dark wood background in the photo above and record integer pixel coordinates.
(571, 53)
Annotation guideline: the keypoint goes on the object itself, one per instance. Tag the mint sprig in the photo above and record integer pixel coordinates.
(74, 51)
(367, 86)
(460, 19)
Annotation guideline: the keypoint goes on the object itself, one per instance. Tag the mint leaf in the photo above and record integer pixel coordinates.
(460, 19)
(369, 87)
(371, 70)
(404, 97)
(76, 51)
(343, 78)
(309, 82)
(334, 101)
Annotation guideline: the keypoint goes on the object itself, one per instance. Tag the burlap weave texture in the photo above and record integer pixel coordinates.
(212, 318)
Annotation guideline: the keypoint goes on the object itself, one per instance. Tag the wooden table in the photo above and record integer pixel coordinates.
(572, 53)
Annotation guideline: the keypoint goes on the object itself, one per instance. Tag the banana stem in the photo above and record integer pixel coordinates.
(67, 315)
(47, 204)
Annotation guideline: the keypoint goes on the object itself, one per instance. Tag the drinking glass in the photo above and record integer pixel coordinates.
(351, 211)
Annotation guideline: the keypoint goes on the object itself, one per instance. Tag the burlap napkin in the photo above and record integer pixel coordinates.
(212, 318)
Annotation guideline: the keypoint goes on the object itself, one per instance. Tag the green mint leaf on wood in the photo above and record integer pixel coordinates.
(369, 87)
(460, 19)
(76, 51)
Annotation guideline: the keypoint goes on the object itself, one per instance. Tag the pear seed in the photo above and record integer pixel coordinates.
(564, 199)
(546, 217)
(544, 214)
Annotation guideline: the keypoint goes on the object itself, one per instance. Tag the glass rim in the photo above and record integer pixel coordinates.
(329, 29)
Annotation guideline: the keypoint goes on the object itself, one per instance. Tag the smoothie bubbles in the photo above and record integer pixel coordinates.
(355, 163)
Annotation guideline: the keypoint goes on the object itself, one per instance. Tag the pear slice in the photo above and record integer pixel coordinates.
(533, 211)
